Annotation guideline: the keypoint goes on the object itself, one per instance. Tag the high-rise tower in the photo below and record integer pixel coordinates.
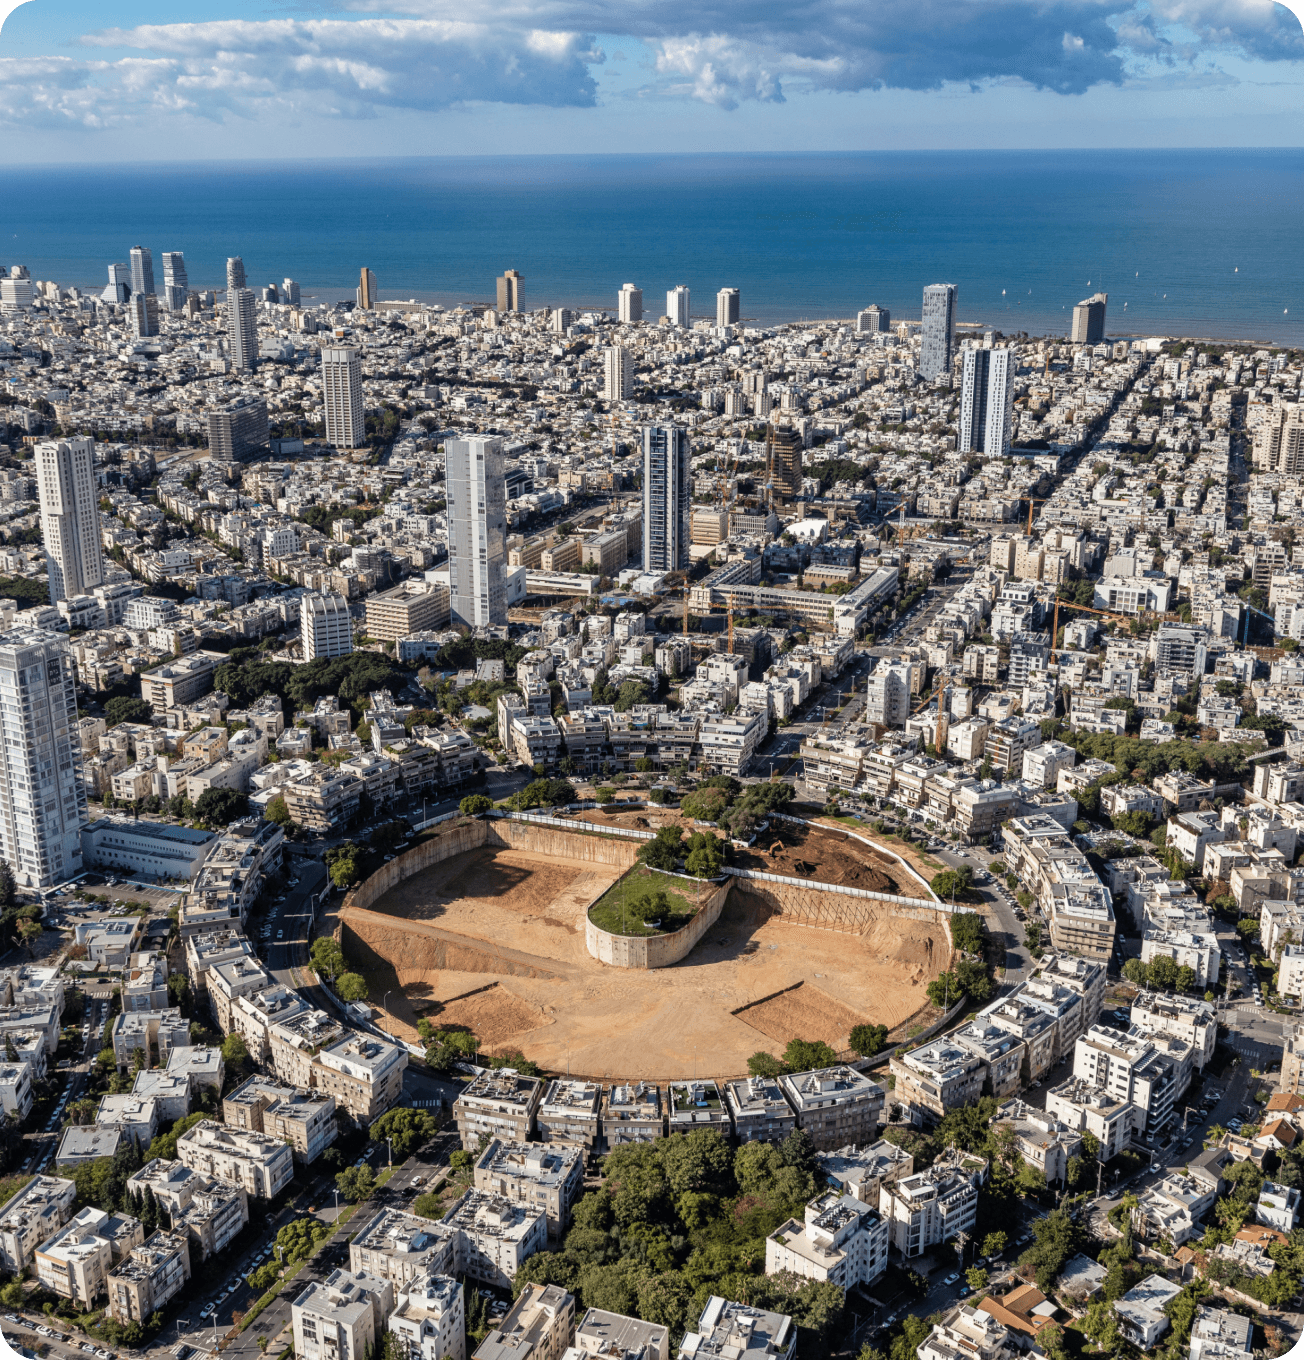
(629, 303)
(142, 270)
(987, 402)
(341, 386)
(235, 272)
(618, 374)
(938, 348)
(477, 530)
(667, 498)
(241, 328)
(1089, 319)
(509, 291)
(727, 307)
(70, 517)
(677, 305)
(175, 283)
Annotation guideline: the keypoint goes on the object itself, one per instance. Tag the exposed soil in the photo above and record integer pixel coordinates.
(439, 941)
(825, 856)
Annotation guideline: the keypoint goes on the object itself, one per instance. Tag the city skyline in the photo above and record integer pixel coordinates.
(593, 79)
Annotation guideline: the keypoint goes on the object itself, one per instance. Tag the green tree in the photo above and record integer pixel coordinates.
(327, 957)
(951, 883)
(867, 1040)
(1136, 972)
(277, 811)
(762, 1064)
(995, 1243)
(807, 1055)
(351, 987)
(234, 1051)
(220, 807)
(356, 1183)
(966, 930)
(1163, 972)
(474, 804)
(406, 1128)
(428, 1205)
(664, 851)
(127, 710)
(977, 1279)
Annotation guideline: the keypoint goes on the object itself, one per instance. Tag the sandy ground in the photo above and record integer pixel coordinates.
(494, 909)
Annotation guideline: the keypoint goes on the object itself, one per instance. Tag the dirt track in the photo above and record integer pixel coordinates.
(481, 913)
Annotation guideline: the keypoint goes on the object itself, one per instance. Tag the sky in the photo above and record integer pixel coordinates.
(93, 81)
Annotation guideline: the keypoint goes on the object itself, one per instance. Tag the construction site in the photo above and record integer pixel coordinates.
(483, 927)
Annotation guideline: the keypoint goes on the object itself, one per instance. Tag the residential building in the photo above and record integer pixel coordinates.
(1089, 1108)
(31, 1217)
(930, 1207)
(145, 1281)
(429, 1317)
(936, 1078)
(209, 1210)
(862, 1171)
(568, 1112)
(326, 630)
(242, 329)
(1041, 1140)
(261, 1165)
(667, 497)
(304, 1119)
(538, 1326)
(70, 517)
(631, 1113)
(341, 1317)
(143, 309)
(1149, 1071)
(1191, 1021)
(735, 1331)
(402, 1248)
(341, 385)
(76, 1261)
(148, 1032)
(1277, 1207)
(677, 305)
(758, 1109)
(727, 307)
(509, 291)
(498, 1104)
(888, 693)
(938, 347)
(618, 375)
(176, 285)
(550, 1177)
(835, 1106)
(1141, 1312)
(477, 527)
(366, 291)
(694, 1104)
(629, 304)
(495, 1236)
(239, 430)
(843, 1241)
(1218, 1334)
(1089, 320)
(987, 402)
(967, 1334)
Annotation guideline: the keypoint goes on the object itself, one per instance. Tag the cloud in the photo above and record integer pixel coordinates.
(345, 67)
(362, 62)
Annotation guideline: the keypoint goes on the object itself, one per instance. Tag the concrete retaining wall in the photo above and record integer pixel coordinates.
(807, 905)
(546, 840)
(457, 838)
(655, 951)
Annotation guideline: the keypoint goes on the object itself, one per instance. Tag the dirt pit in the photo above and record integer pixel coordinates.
(493, 940)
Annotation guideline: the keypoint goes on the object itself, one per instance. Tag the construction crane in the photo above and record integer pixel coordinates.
(1035, 500)
(1086, 609)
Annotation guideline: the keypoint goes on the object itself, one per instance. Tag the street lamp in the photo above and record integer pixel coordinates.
(390, 1142)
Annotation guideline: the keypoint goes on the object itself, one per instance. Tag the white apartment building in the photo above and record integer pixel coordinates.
(1090, 1109)
(429, 1317)
(842, 1241)
(887, 696)
(70, 516)
(42, 799)
(341, 383)
(1277, 1207)
(735, 1331)
(31, 1217)
(970, 1334)
(208, 1210)
(1187, 1019)
(544, 1176)
(1042, 764)
(262, 1166)
(341, 1317)
(931, 1206)
(613, 1334)
(677, 305)
(149, 1277)
(1149, 1071)
(618, 374)
(496, 1236)
(477, 530)
(1219, 1335)
(629, 304)
(497, 1105)
(403, 1248)
(325, 628)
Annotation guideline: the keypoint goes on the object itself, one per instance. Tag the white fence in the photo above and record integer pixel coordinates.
(839, 888)
(571, 824)
(435, 821)
(873, 845)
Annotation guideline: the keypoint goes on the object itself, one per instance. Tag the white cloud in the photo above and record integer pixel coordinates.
(348, 67)
(722, 52)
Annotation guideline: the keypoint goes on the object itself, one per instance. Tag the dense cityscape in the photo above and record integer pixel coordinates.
(330, 630)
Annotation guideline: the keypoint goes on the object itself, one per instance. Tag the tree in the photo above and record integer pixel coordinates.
(977, 1279)
(277, 811)
(220, 807)
(706, 855)
(406, 1128)
(351, 987)
(327, 957)
(179, 991)
(953, 883)
(474, 804)
(234, 1050)
(1136, 972)
(29, 932)
(967, 930)
(428, 1205)
(127, 710)
(994, 1243)
(1186, 978)
(8, 887)
(1163, 972)
(762, 1064)
(806, 1055)
(356, 1183)
(867, 1040)
(1101, 1325)
(663, 852)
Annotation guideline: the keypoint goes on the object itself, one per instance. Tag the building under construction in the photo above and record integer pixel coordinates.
(783, 464)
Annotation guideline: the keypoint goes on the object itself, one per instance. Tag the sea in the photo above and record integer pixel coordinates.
(1185, 243)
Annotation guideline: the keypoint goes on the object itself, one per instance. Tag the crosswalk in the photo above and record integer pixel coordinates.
(194, 1354)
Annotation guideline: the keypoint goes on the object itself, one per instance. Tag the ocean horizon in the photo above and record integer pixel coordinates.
(1198, 243)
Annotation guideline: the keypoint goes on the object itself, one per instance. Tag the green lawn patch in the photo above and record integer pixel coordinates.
(639, 898)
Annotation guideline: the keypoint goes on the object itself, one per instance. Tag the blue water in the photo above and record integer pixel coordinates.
(1194, 242)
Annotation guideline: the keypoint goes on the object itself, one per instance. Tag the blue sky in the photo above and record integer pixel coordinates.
(144, 80)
